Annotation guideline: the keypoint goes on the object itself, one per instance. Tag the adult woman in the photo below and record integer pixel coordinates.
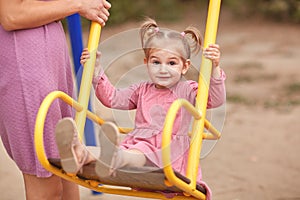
(35, 61)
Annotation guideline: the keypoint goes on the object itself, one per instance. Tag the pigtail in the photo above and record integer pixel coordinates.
(151, 36)
(147, 30)
(194, 38)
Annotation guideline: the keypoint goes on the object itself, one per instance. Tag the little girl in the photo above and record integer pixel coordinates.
(167, 57)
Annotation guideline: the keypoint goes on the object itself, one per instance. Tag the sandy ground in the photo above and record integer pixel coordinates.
(258, 154)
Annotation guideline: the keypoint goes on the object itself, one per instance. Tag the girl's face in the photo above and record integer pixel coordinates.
(165, 67)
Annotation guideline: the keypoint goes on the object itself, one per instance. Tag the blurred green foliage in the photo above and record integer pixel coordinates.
(276, 10)
(125, 10)
(162, 10)
(173, 10)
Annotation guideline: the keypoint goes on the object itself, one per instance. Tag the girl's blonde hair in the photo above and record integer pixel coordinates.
(150, 33)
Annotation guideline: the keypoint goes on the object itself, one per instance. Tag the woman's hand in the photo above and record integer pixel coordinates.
(24, 14)
(95, 10)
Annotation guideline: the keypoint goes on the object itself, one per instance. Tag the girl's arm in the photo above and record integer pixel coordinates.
(24, 14)
(110, 96)
(213, 53)
(217, 91)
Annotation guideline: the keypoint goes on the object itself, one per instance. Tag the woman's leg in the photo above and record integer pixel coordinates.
(52, 188)
(70, 190)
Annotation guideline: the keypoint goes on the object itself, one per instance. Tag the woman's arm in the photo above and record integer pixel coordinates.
(23, 14)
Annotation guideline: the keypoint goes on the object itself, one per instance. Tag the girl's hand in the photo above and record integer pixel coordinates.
(213, 53)
(85, 55)
(97, 62)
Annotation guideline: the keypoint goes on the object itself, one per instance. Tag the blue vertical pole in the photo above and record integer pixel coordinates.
(74, 25)
(75, 32)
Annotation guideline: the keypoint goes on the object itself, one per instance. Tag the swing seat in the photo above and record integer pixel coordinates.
(140, 182)
(143, 178)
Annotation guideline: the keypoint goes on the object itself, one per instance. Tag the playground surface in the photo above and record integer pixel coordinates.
(257, 156)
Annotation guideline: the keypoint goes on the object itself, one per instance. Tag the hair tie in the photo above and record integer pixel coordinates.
(156, 29)
(182, 33)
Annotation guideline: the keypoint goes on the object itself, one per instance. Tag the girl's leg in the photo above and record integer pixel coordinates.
(72, 152)
(111, 156)
(52, 188)
(129, 158)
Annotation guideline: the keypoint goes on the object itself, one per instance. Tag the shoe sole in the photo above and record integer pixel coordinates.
(108, 137)
(64, 134)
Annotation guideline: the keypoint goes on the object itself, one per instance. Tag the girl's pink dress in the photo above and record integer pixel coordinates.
(151, 106)
(33, 63)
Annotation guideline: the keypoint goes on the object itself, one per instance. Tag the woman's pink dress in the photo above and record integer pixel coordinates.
(151, 106)
(33, 63)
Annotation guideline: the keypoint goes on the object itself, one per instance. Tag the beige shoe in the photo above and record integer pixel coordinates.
(109, 140)
(67, 140)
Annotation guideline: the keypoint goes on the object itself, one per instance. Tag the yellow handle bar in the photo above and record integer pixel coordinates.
(87, 76)
(200, 122)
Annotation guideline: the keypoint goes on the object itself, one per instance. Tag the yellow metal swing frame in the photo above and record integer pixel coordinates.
(198, 111)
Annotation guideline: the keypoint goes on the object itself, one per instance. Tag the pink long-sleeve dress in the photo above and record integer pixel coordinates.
(33, 63)
(151, 106)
